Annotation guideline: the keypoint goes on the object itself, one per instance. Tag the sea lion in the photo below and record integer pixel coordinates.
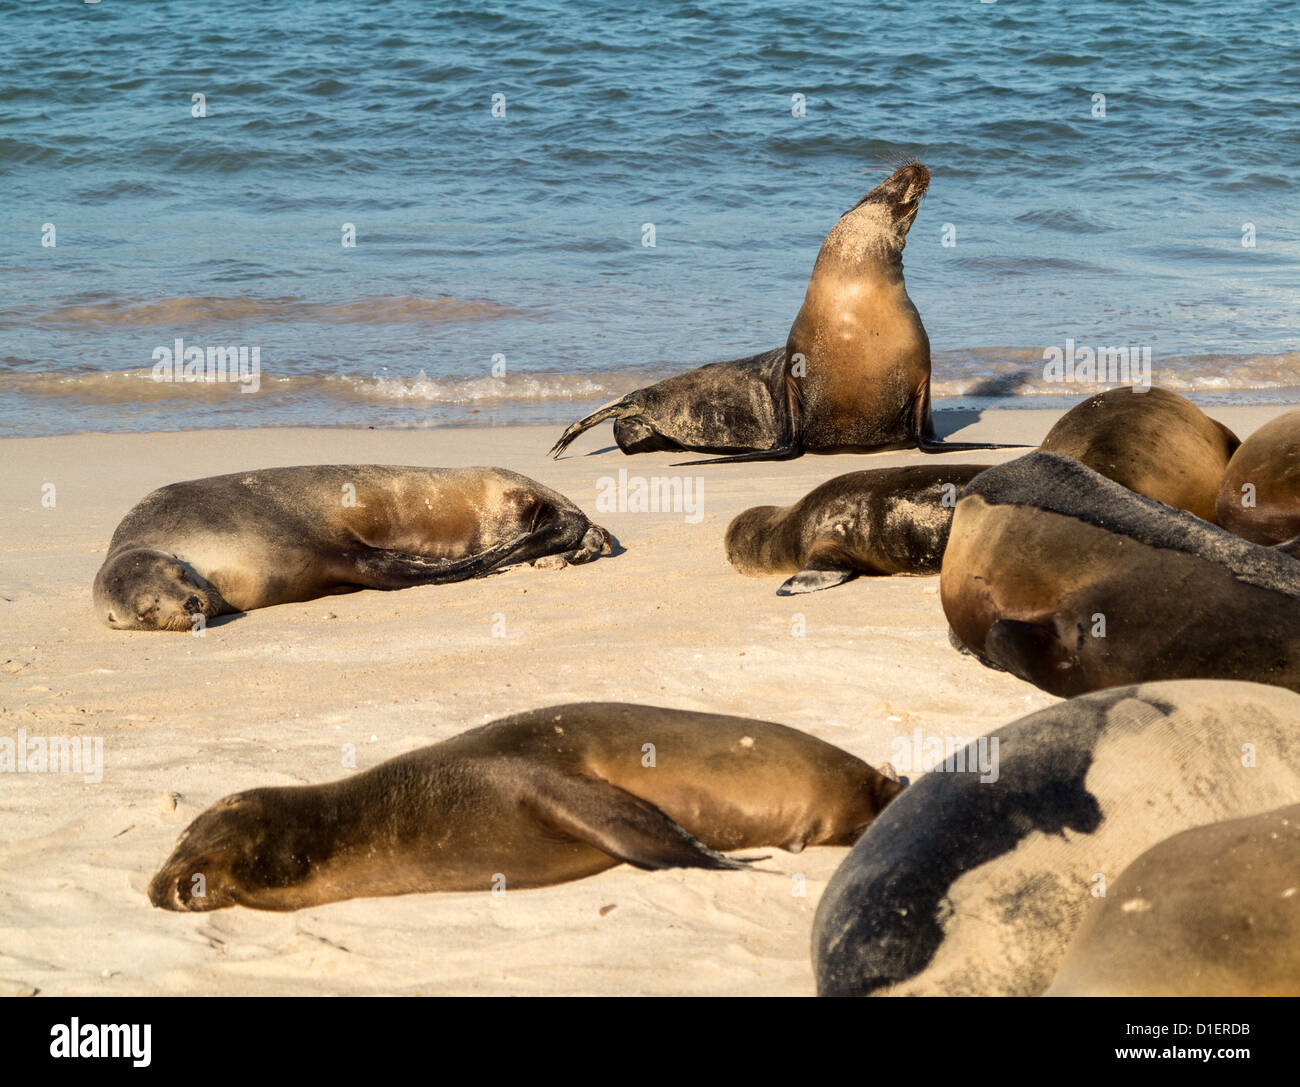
(279, 535)
(880, 521)
(1075, 583)
(1151, 441)
(1213, 911)
(538, 798)
(966, 886)
(854, 373)
(1259, 497)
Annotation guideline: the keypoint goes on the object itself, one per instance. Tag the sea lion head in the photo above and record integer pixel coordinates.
(245, 850)
(145, 589)
(753, 538)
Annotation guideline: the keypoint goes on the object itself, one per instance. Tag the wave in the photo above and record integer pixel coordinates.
(173, 312)
(1001, 373)
(139, 386)
(1018, 372)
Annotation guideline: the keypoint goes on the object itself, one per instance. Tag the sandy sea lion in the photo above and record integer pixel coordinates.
(538, 798)
(854, 373)
(1259, 497)
(1213, 911)
(1075, 583)
(880, 521)
(1152, 441)
(965, 886)
(279, 535)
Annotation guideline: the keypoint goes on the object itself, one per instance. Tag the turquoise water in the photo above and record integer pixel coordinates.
(517, 239)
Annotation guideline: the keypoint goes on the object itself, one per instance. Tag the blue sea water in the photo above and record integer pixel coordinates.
(517, 239)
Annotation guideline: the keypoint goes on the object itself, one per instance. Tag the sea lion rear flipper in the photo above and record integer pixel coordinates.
(609, 411)
(624, 826)
(928, 441)
(815, 576)
(777, 452)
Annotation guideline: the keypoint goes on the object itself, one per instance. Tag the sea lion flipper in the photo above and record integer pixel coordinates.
(384, 568)
(814, 577)
(777, 452)
(609, 411)
(625, 826)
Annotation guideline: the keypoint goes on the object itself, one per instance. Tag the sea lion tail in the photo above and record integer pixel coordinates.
(609, 411)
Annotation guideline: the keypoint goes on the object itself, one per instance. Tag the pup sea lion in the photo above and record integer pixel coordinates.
(966, 886)
(253, 539)
(1075, 583)
(1259, 498)
(538, 798)
(854, 373)
(1213, 911)
(881, 521)
(1152, 441)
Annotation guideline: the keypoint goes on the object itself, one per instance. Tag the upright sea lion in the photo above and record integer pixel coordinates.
(1259, 497)
(1075, 583)
(1213, 911)
(880, 521)
(279, 535)
(971, 887)
(854, 373)
(1152, 441)
(538, 798)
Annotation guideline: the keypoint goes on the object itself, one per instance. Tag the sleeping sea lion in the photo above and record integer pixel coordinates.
(880, 521)
(1074, 583)
(538, 798)
(972, 884)
(253, 539)
(1151, 441)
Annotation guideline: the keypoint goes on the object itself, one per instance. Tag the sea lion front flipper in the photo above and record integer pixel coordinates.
(815, 576)
(384, 568)
(624, 826)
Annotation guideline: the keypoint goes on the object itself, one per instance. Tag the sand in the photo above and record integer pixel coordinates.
(273, 697)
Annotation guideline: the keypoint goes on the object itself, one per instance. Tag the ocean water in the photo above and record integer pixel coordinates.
(499, 272)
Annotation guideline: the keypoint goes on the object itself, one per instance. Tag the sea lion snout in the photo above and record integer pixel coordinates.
(901, 192)
(144, 589)
(202, 872)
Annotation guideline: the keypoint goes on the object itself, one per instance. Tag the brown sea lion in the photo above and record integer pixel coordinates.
(1151, 441)
(971, 887)
(1213, 911)
(535, 799)
(854, 373)
(1259, 497)
(1074, 583)
(253, 539)
(880, 521)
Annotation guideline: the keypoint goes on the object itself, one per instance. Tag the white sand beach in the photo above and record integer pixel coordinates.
(272, 697)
